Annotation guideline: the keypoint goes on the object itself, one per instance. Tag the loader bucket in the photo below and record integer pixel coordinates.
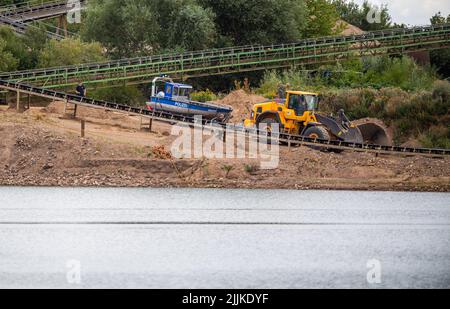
(346, 134)
(374, 132)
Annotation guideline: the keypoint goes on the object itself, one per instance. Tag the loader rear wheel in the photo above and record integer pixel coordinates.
(269, 122)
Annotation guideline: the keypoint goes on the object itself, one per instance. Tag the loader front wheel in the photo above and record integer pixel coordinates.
(317, 132)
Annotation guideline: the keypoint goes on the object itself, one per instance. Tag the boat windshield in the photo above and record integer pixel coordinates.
(184, 92)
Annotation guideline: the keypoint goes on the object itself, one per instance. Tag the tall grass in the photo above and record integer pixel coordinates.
(406, 96)
(419, 114)
(373, 72)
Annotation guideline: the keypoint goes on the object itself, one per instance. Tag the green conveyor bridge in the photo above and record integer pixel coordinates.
(240, 59)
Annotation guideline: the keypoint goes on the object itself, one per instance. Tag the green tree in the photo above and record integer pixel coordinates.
(322, 18)
(69, 52)
(14, 45)
(358, 15)
(35, 39)
(125, 28)
(349, 11)
(441, 58)
(8, 62)
(242, 22)
(193, 28)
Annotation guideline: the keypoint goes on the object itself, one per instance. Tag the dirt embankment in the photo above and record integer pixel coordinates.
(242, 104)
(40, 148)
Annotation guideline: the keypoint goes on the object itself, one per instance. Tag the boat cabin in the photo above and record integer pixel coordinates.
(176, 91)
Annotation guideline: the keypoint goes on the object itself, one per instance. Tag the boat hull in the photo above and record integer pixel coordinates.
(206, 110)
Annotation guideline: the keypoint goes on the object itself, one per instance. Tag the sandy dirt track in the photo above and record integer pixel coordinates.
(42, 148)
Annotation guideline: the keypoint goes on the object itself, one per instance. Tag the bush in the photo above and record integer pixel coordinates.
(410, 114)
(69, 52)
(436, 137)
(129, 95)
(396, 90)
(269, 85)
(373, 72)
(441, 90)
(203, 96)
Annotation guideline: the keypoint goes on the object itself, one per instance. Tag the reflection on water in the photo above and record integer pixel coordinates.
(189, 238)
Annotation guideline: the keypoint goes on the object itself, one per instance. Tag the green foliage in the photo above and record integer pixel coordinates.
(227, 169)
(8, 62)
(146, 27)
(13, 47)
(251, 168)
(356, 15)
(436, 137)
(322, 18)
(129, 95)
(399, 72)
(421, 114)
(35, 39)
(192, 28)
(23, 49)
(441, 58)
(203, 96)
(69, 52)
(241, 22)
(374, 72)
(125, 28)
(407, 97)
(297, 79)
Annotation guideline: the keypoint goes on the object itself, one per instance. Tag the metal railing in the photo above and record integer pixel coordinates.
(240, 59)
(178, 118)
(42, 10)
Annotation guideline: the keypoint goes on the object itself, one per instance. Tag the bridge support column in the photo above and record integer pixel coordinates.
(18, 101)
(29, 101)
(62, 24)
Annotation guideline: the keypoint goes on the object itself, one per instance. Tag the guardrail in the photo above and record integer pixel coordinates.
(174, 118)
(21, 28)
(43, 10)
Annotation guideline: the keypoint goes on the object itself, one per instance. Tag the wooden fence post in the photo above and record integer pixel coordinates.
(83, 127)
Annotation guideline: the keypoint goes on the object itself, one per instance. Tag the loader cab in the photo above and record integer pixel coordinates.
(302, 102)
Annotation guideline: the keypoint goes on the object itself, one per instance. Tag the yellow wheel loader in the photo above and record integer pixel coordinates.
(298, 115)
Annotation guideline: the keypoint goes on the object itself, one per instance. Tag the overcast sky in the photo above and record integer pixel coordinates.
(414, 12)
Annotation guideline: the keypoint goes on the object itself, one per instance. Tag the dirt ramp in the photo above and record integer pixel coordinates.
(375, 132)
(242, 104)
